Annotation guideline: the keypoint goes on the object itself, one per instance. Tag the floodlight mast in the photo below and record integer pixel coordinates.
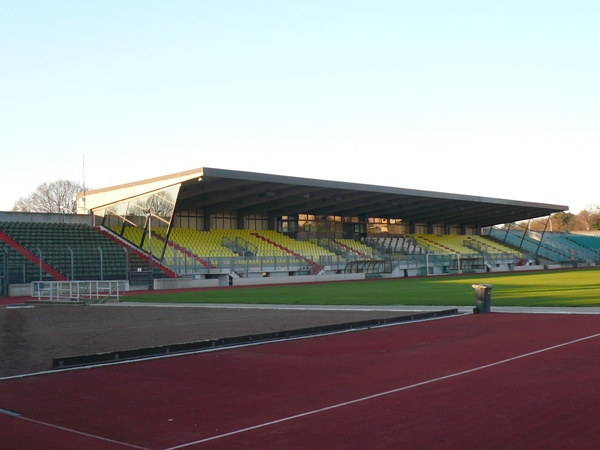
(150, 255)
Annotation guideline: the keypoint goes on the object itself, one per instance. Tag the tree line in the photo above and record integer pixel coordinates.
(586, 220)
(56, 197)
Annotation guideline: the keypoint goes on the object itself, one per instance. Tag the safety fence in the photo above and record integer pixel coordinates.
(78, 291)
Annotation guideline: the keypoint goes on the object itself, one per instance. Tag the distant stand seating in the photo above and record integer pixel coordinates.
(20, 268)
(252, 246)
(553, 247)
(66, 252)
(44, 268)
(403, 245)
(75, 251)
(139, 259)
(356, 247)
(263, 243)
(477, 249)
(577, 247)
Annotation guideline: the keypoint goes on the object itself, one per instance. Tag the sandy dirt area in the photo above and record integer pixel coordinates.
(30, 337)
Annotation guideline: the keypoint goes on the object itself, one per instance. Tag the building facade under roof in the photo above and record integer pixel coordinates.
(208, 198)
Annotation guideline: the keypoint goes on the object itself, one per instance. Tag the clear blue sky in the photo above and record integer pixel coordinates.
(487, 98)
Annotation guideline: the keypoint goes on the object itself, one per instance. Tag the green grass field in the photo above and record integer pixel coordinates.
(550, 288)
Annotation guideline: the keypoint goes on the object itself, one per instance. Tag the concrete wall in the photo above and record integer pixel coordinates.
(19, 290)
(528, 268)
(9, 216)
(304, 279)
(183, 283)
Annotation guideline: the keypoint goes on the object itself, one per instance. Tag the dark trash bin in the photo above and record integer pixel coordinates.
(483, 298)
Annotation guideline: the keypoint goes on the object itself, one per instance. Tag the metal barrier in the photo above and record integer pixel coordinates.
(77, 291)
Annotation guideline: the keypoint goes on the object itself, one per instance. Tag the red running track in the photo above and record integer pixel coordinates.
(477, 381)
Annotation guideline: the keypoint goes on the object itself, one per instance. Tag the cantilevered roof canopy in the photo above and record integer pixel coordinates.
(218, 190)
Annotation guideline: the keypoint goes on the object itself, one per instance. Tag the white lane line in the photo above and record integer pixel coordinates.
(381, 394)
(81, 433)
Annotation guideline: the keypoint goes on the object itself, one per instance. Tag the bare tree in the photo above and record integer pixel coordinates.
(590, 218)
(586, 220)
(51, 197)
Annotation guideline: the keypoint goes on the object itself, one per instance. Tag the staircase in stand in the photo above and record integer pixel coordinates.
(156, 264)
(315, 268)
(185, 252)
(32, 257)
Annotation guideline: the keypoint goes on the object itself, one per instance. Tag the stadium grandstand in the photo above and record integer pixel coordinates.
(216, 227)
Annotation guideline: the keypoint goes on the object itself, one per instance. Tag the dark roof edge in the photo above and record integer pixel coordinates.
(209, 172)
(257, 176)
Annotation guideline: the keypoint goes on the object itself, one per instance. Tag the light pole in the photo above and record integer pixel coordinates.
(150, 261)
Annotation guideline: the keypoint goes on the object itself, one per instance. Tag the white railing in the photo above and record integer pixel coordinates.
(78, 291)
